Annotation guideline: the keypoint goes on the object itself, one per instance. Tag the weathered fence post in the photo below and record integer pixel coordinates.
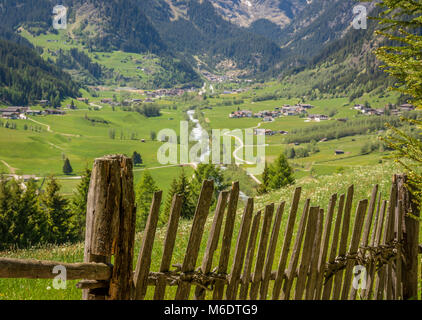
(410, 238)
(110, 225)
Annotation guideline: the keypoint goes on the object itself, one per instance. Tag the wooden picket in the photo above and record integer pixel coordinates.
(380, 237)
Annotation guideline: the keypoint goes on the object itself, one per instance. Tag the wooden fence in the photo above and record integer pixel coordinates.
(317, 259)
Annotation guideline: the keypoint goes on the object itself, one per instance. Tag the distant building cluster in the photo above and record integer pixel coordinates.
(269, 116)
(268, 132)
(216, 78)
(389, 109)
(295, 110)
(15, 113)
(234, 91)
(318, 117)
(167, 93)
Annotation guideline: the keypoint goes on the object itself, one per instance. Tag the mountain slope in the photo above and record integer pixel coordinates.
(245, 12)
(25, 77)
(126, 28)
(188, 29)
(195, 28)
(346, 66)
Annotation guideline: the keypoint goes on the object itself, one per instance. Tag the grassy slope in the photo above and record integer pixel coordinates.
(129, 65)
(323, 162)
(319, 190)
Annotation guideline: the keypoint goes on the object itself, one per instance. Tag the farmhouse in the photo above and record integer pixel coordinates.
(266, 113)
(55, 112)
(84, 100)
(318, 117)
(305, 106)
(30, 112)
(407, 107)
(107, 100)
(44, 102)
(359, 107)
(10, 115)
(267, 132)
(241, 114)
(298, 109)
(16, 109)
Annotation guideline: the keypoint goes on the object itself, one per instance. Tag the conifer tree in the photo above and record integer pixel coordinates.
(144, 194)
(4, 212)
(136, 158)
(165, 215)
(265, 186)
(58, 216)
(281, 174)
(67, 168)
(35, 220)
(401, 23)
(183, 187)
(208, 172)
(78, 205)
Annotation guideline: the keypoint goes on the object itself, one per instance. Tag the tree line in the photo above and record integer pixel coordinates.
(336, 129)
(32, 216)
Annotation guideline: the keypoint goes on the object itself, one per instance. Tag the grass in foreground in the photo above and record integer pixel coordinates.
(319, 189)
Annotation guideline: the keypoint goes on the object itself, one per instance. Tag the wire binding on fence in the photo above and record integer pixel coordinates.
(379, 256)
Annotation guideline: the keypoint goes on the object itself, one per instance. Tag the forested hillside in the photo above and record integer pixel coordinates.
(185, 36)
(195, 28)
(126, 28)
(25, 77)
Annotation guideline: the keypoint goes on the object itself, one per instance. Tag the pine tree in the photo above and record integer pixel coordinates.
(401, 22)
(281, 174)
(144, 194)
(208, 172)
(58, 216)
(136, 158)
(67, 168)
(36, 222)
(16, 220)
(183, 187)
(78, 206)
(165, 215)
(264, 187)
(6, 215)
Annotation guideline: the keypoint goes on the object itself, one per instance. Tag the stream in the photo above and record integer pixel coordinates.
(198, 135)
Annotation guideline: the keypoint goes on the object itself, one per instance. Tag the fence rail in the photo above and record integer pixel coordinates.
(316, 262)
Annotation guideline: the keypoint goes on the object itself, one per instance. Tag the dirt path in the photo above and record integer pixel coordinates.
(43, 124)
(55, 146)
(95, 105)
(11, 169)
(51, 131)
(240, 160)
